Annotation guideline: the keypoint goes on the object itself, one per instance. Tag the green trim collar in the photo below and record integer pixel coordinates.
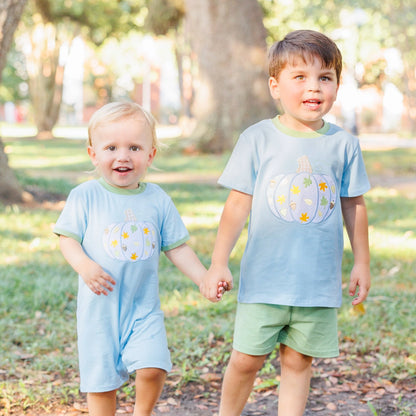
(122, 191)
(301, 134)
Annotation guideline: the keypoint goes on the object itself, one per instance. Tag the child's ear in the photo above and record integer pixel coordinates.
(152, 155)
(274, 88)
(92, 155)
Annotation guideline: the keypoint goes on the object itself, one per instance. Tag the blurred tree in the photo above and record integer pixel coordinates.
(229, 40)
(165, 17)
(13, 85)
(282, 16)
(47, 25)
(397, 29)
(10, 12)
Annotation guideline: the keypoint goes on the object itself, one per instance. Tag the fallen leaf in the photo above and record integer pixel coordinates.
(358, 310)
(172, 401)
(331, 406)
(209, 377)
(381, 391)
(81, 407)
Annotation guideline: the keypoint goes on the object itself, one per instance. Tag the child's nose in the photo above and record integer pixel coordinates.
(313, 84)
(123, 154)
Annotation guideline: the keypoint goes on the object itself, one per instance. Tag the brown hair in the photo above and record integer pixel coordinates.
(305, 44)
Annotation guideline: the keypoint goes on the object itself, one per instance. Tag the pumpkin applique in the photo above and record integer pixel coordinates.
(130, 240)
(303, 197)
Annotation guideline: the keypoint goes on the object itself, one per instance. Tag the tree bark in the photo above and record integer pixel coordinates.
(10, 12)
(229, 40)
(45, 76)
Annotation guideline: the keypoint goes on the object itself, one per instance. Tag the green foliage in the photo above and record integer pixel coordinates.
(38, 289)
(13, 86)
(283, 16)
(164, 15)
(98, 19)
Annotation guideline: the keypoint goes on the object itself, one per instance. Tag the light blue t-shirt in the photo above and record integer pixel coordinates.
(295, 235)
(123, 231)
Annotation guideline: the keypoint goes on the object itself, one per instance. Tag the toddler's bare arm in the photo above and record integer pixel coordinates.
(93, 275)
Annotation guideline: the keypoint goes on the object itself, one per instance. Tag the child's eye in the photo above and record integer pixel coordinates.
(300, 77)
(134, 148)
(111, 148)
(325, 78)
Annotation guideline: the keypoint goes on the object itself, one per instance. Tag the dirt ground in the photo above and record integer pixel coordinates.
(339, 387)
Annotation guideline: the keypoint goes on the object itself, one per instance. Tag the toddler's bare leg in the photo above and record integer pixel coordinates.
(238, 382)
(294, 382)
(149, 386)
(102, 404)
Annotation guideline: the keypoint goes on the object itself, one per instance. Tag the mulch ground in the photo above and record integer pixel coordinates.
(342, 386)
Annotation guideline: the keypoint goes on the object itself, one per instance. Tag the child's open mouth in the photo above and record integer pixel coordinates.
(122, 170)
(312, 104)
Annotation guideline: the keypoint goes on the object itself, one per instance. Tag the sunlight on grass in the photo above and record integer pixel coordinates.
(45, 162)
(205, 216)
(17, 130)
(396, 245)
(13, 130)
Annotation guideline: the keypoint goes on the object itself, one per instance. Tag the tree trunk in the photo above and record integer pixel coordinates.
(10, 12)
(10, 189)
(229, 39)
(45, 76)
(410, 97)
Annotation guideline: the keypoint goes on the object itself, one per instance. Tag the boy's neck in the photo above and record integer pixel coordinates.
(277, 121)
(299, 126)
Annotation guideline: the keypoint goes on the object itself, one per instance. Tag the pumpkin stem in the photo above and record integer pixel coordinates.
(304, 165)
(129, 215)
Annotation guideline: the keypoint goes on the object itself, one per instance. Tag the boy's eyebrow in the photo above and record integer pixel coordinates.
(302, 68)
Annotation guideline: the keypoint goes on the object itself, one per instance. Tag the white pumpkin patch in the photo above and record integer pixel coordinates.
(130, 240)
(302, 197)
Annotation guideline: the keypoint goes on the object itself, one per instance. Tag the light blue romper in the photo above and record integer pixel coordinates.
(124, 231)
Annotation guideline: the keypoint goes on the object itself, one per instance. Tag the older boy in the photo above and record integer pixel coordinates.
(297, 176)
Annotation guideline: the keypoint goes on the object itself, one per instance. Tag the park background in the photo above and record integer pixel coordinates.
(200, 68)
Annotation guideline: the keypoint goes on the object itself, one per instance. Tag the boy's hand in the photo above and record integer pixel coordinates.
(221, 289)
(360, 277)
(97, 279)
(216, 281)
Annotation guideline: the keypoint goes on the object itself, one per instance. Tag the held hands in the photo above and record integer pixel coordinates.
(97, 279)
(216, 282)
(360, 277)
(222, 287)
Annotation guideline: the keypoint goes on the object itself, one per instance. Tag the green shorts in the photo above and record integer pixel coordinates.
(310, 331)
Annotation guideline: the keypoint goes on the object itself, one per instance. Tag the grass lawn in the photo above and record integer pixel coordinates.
(38, 289)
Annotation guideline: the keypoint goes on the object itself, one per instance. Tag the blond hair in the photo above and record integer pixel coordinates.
(116, 111)
(305, 44)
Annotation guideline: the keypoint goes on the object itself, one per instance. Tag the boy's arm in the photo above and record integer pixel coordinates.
(93, 275)
(355, 218)
(185, 259)
(236, 211)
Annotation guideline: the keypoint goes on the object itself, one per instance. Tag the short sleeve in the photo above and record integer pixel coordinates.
(72, 221)
(173, 231)
(240, 172)
(355, 180)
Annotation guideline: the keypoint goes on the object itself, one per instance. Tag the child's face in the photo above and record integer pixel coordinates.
(122, 151)
(306, 91)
